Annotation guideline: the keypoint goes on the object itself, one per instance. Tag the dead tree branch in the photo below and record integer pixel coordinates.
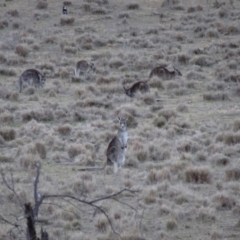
(31, 213)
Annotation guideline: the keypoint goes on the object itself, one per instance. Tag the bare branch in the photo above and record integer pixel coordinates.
(37, 204)
(113, 195)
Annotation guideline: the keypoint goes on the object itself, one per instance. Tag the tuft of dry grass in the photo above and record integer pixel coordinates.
(223, 201)
(233, 174)
(3, 24)
(216, 96)
(236, 125)
(171, 225)
(155, 176)
(159, 121)
(7, 72)
(41, 149)
(64, 129)
(74, 150)
(101, 224)
(13, 13)
(66, 20)
(28, 161)
(116, 63)
(41, 4)
(67, 3)
(7, 133)
(198, 175)
(5, 158)
(22, 50)
(150, 196)
(132, 6)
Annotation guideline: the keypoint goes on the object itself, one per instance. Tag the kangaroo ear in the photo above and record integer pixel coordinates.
(126, 119)
(119, 119)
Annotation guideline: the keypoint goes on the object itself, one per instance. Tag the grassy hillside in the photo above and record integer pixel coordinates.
(183, 150)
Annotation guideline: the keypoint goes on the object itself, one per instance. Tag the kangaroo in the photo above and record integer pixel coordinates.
(165, 73)
(31, 77)
(138, 86)
(116, 148)
(83, 66)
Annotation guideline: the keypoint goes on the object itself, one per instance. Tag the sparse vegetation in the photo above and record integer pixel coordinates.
(182, 156)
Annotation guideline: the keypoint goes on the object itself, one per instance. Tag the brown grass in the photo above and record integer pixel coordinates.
(13, 13)
(182, 157)
(66, 20)
(198, 175)
(42, 4)
(22, 50)
(8, 134)
(64, 129)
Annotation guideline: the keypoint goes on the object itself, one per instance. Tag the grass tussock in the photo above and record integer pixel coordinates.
(41, 4)
(7, 72)
(8, 134)
(150, 196)
(7, 118)
(3, 24)
(216, 96)
(132, 6)
(198, 175)
(155, 176)
(74, 150)
(236, 125)
(28, 161)
(13, 13)
(64, 129)
(223, 201)
(5, 158)
(171, 225)
(159, 122)
(22, 50)
(102, 224)
(197, 8)
(66, 20)
(41, 149)
(229, 138)
(233, 174)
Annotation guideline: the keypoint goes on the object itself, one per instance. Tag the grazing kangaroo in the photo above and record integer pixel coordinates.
(83, 67)
(116, 148)
(165, 73)
(32, 77)
(138, 86)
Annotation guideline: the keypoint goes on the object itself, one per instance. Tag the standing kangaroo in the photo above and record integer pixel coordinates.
(117, 147)
(138, 86)
(165, 73)
(32, 77)
(83, 67)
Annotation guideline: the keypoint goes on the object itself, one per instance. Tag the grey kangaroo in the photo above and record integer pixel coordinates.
(165, 73)
(32, 77)
(138, 86)
(83, 67)
(117, 147)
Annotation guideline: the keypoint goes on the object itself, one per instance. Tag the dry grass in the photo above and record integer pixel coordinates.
(42, 4)
(182, 157)
(22, 50)
(66, 20)
(198, 175)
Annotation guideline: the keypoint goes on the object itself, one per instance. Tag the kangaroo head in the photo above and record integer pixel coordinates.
(128, 92)
(122, 123)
